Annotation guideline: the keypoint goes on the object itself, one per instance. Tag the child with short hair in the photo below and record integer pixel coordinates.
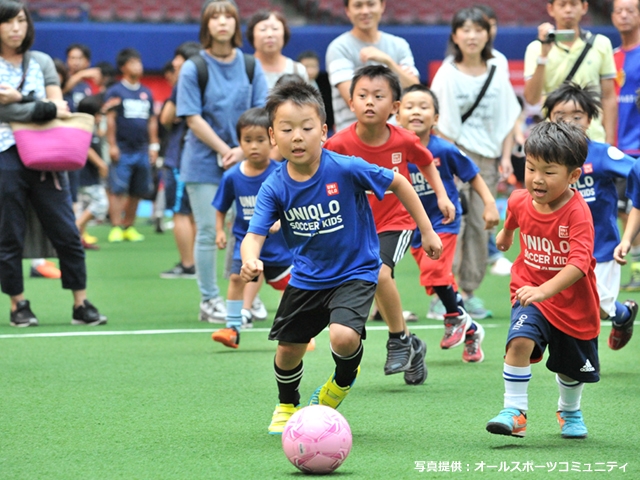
(132, 133)
(240, 184)
(553, 284)
(91, 192)
(418, 113)
(604, 164)
(375, 97)
(321, 199)
(311, 63)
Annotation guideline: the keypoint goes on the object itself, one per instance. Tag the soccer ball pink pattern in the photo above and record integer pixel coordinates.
(316, 439)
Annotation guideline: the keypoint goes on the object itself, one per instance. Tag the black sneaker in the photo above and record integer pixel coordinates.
(180, 271)
(23, 316)
(399, 355)
(87, 314)
(417, 373)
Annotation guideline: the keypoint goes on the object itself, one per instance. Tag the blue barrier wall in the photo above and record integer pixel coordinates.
(156, 42)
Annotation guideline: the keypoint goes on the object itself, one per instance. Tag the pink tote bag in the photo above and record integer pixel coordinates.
(55, 146)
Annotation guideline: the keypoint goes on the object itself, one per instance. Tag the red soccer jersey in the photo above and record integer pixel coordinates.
(403, 146)
(549, 242)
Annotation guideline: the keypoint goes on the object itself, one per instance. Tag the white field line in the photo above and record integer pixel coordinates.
(191, 330)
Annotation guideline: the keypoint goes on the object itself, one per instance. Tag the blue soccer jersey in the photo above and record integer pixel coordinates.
(603, 165)
(450, 161)
(633, 185)
(243, 189)
(132, 116)
(627, 83)
(326, 220)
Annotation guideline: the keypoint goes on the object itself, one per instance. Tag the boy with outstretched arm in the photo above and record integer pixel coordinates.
(553, 285)
(375, 97)
(320, 198)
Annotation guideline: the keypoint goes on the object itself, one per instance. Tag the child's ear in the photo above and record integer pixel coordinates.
(325, 130)
(272, 139)
(574, 176)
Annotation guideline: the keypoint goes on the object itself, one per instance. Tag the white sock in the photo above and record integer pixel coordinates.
(570, 395)
(516, 383)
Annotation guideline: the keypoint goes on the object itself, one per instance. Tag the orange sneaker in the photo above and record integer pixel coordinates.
(311, 346)
(229, 337)
(46, 270)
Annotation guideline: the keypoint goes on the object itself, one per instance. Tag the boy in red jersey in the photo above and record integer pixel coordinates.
(375, 97)
(554, 269)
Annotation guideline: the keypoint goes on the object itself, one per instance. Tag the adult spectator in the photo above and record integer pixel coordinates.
(211, 145)
(30, 91)
(268, 33)
(78, 63)
(364, 44)
(625, 16)
(177, 198)
(548, 63)
(482, 132)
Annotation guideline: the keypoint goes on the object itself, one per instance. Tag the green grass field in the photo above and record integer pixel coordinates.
(150, 396)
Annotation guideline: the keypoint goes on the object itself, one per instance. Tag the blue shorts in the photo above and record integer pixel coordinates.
(577, 359)
(131, 175)
(175, 192)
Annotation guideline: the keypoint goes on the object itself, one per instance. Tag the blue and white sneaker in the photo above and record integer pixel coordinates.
(571, 424)
(510, 421)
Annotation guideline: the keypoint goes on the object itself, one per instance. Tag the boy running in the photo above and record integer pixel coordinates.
(375, 97)
(604, 164)
(320, 198)
(553, 284)
(240, 184)
(419, 113)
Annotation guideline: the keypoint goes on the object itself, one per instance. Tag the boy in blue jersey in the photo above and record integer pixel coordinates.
(132, 133)
(320, 197)
(240, 184)
(418, 112)
(604, 164)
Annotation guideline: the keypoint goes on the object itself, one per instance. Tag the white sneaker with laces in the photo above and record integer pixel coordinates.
(213, 310)
(501, 267)
(258, 309)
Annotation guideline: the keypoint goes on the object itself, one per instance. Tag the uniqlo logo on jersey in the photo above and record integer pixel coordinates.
(396, 158)
(436, 161)
(332, 189)
(563, 232)
(587, 168)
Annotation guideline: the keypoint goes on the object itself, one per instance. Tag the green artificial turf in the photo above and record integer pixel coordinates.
(177, 405)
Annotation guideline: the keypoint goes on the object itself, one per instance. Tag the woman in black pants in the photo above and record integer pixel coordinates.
(30, 91)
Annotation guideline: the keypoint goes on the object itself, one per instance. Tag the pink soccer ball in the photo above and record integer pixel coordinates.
(316, 439)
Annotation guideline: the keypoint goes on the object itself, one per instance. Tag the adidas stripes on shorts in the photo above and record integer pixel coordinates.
(577, 359)
(393, 246)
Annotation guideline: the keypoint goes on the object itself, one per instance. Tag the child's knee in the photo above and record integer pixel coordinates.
(521, 347)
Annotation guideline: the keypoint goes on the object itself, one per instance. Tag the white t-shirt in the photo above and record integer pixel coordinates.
(289, 67)
(343, 59)
(491, 121)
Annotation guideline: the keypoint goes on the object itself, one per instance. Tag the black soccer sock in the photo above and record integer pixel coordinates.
(449, 298)
(399, 335)
(347, 367)
(288, 382)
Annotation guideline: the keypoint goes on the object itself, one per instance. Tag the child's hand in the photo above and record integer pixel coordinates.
(621, 251)
(527, 295)
(432, 245)
(504, 241)
(251, 269)
(221, 239)
(275, 228)
(103, 169)
(448, 210)
(491, 216)
(114, 153)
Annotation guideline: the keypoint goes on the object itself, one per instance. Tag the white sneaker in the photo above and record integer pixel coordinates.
(501, 267)
(213, 310)
(247, 319)
(258, 310)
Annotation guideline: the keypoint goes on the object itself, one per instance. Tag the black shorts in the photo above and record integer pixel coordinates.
(577, 359)
(303, 314)
(393, 246)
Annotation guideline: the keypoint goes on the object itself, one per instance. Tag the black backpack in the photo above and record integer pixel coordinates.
(203, 72)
